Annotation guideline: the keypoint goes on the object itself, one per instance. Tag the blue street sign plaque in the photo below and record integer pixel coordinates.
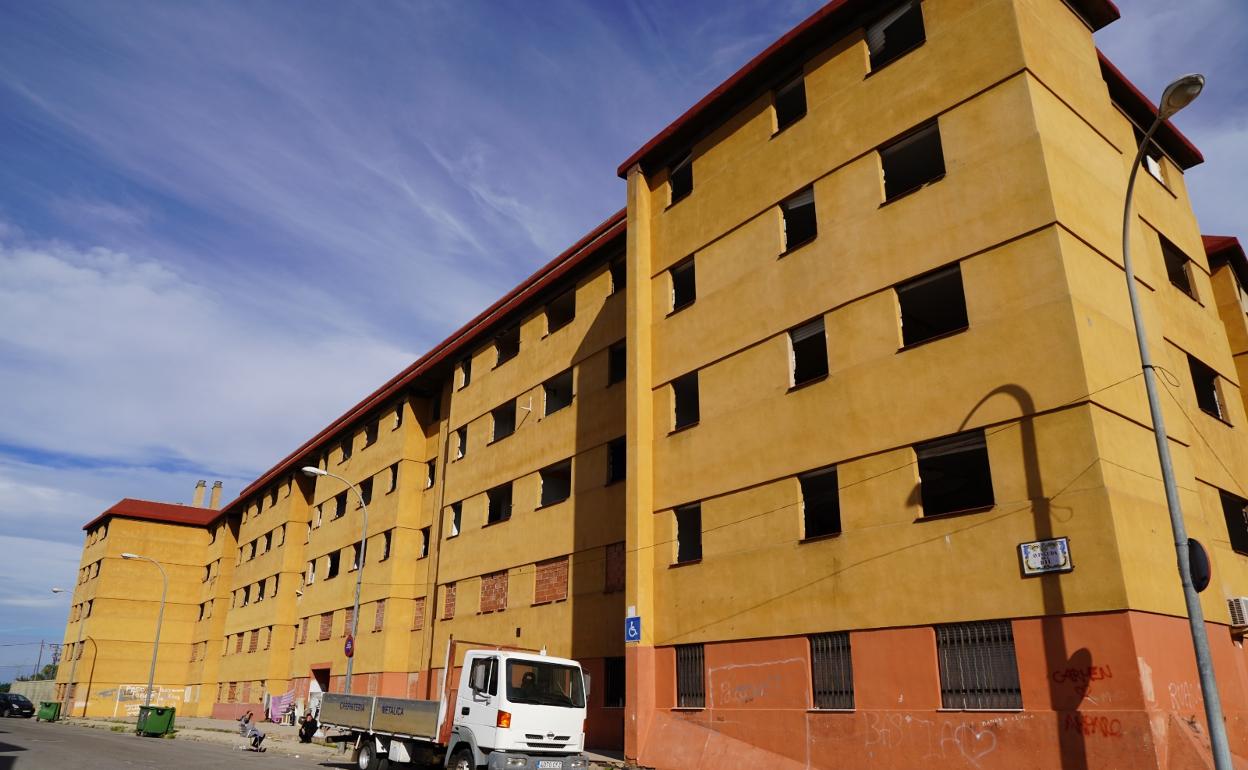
(632, 629)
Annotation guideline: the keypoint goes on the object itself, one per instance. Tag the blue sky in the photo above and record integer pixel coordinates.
(221, 225)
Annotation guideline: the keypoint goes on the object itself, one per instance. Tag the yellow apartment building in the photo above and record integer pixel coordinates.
(843, 413)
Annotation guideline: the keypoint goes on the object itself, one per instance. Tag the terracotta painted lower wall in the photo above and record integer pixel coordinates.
(1113, 690)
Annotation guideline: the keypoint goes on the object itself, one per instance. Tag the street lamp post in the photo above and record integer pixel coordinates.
(73, 662)
(1177, 95)
(309, 470)
(160, 616)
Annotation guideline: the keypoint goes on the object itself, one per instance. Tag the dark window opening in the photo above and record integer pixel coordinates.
(332, 570)
(978, 667)
(387, 539)
(896, 33)
(1152, 156)
(831, 671)
(465, 372)
(617, 363)
(561, 311)
(685, 406)
(810, 352)
(680, 177)
(499, 508)
(370, 438)
(431, 473)
(684, 285)
(435, 407)
(799, 219)
(424, 542)
(461, 442)
(617, 460)
(613, 677)
(558, 392)
(1178, 268)
(1235, 509)
(790, 101)
(507, 346)
(394, 478)
(690, 677)
(340, 505)
(346, 453)
(556, 482)
(932, 305)
(1205, 382)
(366, 490)
(912, 161)
(356, 557)
(504, 420)
(821, 503)
(457, 515)
(619, 276)
(688, 533)
(954, 474)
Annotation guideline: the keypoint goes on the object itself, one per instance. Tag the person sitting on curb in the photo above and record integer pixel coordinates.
(307, 728)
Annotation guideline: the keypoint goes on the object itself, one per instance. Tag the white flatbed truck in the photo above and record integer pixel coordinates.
(512, 710)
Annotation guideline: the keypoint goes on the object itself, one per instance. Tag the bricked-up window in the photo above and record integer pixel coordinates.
(464, 370)
(619, 276)
(613, 682)
(431, 473)
(690, 676)
(233, 696)
(790, 102)
(821, 503)
(424, 542)
(327, 626)
(978, 668)
(494, 592)
(550, 580)
(394, 478)
(912, 161)
(348, 619)
(617, 363)
(331, 570)
(379, 618)
(800, 226)
(560, 311)
(616, 566)
(617, 460)
(457, 518)
(1205, 382)
(680, 178)
(387, 539)
(366, 490)
(1235, 510)
(684, 282)
(504, 419)
(932, 305)
(556, 482)
(303, 632)
(498, 505)
(507, 346)
(896, 33)
(808, 353)
(238, 644)
(340, 505)
(688, 533)
(831, 671)
(418, 616)
(686, 405)
(1178, 267)
(558, 392)
(954, 474)
(461, 442)
(370, 433)
(448, 604)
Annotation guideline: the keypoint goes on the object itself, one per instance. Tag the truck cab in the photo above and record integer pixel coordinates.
(518, 710)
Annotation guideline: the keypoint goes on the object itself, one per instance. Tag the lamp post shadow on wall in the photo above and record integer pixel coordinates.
(160, 616)
(309, 470)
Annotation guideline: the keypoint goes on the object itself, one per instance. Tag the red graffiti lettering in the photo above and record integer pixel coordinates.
(1082, 675)
(1104, 727)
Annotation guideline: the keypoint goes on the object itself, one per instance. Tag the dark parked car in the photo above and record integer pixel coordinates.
(14, 705)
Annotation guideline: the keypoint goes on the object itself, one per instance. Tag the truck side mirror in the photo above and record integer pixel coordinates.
(588, 681)
(479, 673)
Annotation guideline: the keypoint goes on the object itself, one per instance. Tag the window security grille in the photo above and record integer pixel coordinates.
(831, 671)
(978, 667)
(690, 672)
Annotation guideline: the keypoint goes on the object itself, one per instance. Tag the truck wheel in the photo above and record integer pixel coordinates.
(369, 759)
(462, 760)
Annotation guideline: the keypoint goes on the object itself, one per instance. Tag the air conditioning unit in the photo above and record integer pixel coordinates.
(1239, 611)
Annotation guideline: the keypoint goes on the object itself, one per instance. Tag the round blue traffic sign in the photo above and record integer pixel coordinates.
(349, 647)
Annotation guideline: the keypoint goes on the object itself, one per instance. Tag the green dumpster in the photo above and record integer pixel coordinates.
(155, 720)
(49, 711)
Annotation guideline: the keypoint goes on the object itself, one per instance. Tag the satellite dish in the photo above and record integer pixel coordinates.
(1198, 562)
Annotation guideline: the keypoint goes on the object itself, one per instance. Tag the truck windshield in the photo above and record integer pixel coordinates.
(544, 684)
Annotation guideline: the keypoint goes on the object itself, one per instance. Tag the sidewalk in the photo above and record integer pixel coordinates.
(283, 739)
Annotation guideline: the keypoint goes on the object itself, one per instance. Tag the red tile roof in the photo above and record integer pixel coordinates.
(829, 23)
(171, 513)
(1226, 248)
(1141, 110)
(470, 334)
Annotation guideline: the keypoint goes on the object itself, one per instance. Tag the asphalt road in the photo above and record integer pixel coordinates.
(29, 745)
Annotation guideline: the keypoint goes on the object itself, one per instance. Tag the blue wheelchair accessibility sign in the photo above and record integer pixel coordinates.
(632, 629)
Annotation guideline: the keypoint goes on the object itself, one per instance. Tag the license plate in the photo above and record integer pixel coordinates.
(553, 764)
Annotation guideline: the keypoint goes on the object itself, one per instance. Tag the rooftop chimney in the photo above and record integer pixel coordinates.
(198, 499)
(215, 502)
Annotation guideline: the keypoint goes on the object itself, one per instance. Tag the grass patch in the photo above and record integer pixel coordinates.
(118, 728)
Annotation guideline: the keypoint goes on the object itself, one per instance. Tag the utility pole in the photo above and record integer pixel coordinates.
(39, 663)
